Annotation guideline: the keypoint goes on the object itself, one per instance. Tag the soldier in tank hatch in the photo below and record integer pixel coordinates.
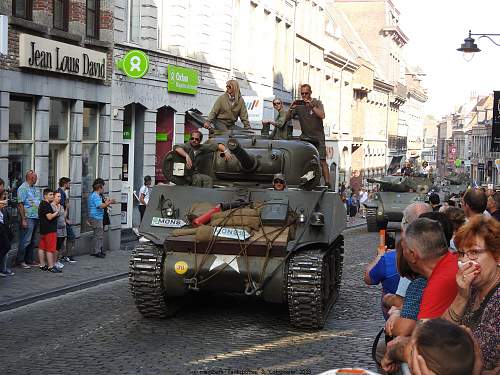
(310, 113)
(279, 182)
(193, 150)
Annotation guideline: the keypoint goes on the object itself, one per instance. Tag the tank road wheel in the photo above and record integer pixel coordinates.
(145, 278)
(371, 219)
(312, 287)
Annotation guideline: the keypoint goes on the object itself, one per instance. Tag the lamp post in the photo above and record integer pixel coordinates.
(469, 47)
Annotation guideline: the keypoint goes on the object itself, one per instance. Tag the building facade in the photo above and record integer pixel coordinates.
(55, 98)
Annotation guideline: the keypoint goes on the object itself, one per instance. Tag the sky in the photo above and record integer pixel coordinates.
(435, 29)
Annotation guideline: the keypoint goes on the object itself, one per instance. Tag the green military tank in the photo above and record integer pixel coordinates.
(394, 195)
(241, 236)
(455, 184)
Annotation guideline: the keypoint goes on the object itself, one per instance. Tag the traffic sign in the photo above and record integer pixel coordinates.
(135, 64)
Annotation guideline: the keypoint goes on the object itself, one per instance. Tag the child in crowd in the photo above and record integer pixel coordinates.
(48, 233)
(61, 228)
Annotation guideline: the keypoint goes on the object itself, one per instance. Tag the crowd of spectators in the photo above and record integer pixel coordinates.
(443, 316)
(44, 224)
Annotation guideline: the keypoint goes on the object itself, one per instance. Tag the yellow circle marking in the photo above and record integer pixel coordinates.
(181, 267)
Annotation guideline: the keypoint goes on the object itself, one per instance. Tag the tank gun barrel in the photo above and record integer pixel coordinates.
(247, 161)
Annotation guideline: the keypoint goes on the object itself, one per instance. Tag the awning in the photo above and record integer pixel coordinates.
(395, 164)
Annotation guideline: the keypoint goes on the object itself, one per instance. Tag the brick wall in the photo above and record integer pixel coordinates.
(43, 15)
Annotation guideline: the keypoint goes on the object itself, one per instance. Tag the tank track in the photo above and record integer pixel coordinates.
(145, 279)
(313, 282)
(371, 219)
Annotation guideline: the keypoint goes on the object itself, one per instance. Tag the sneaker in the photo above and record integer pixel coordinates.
(101, 255)
(54, 270)
(25, 266)
(144, 239)
(8, 272)
(136, 231)
(43, 268)
(59, 265)
(34, 264)
(2, 274)
(70, 260)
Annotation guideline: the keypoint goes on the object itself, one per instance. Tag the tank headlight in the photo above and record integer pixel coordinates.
(317, 219)
(169, 212)
(302, 217)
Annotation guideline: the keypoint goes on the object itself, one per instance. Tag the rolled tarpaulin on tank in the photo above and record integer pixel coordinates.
(252, 212)
(237, 221)
(183, 232)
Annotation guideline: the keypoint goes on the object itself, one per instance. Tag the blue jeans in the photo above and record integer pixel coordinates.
(27, 236)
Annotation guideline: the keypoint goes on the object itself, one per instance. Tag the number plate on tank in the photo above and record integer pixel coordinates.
(167, 223)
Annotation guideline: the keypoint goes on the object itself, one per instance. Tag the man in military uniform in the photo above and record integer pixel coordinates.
(193, 151)
(311, 113)
(279, 182)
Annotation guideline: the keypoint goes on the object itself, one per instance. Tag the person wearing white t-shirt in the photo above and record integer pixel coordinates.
(363, 197)
(144, 194)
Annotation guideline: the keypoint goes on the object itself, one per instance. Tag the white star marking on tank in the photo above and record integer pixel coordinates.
(230, 260)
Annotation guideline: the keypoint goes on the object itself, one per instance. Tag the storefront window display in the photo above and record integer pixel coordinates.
(20, 139)
(58, 141)
(89, 157)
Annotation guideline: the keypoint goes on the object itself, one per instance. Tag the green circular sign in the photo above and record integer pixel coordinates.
(135, 64)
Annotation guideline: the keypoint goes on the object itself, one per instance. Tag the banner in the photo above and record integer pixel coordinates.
(495, 126)
(255, 108)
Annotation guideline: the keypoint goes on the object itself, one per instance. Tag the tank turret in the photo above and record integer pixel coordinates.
(391, 183)
(256, 160)
(457, 178)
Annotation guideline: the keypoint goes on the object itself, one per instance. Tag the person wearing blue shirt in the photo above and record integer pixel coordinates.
(96, 216)
(382, 269)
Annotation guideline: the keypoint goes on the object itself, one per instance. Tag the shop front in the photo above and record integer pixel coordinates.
(55, 118)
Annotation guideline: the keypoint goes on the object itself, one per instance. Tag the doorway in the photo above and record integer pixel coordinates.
(132, 161)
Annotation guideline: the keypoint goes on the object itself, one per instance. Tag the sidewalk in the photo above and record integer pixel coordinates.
(28, 286)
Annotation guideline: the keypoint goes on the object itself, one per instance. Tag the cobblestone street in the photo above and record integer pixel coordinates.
(98, 330)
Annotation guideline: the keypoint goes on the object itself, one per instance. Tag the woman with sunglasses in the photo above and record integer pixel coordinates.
(280, 130)
(227, 108)
(477, 304)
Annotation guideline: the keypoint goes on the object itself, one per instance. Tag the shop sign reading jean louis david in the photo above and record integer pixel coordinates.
(46, 54)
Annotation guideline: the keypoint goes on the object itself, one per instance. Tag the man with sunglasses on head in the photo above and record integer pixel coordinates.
(194, 150)
(281, 129)
(310, 113)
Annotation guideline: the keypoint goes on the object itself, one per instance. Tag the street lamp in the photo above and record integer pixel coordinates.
(469, 47)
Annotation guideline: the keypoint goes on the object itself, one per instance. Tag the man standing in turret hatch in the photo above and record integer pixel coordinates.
(310, 113)
(193, 150)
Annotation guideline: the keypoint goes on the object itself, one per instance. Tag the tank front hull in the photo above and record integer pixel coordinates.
(222, 273)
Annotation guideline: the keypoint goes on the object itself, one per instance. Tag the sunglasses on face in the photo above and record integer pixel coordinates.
(279, 182)
(276, 103)
(195, 139)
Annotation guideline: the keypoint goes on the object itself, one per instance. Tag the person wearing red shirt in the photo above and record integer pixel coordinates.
(427, 253)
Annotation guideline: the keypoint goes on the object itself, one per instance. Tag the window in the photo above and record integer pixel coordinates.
(93, 18)
(58, 141)
(21, 122)
(22, 9)
(61, 14)
(89, 157)
(133, 20)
